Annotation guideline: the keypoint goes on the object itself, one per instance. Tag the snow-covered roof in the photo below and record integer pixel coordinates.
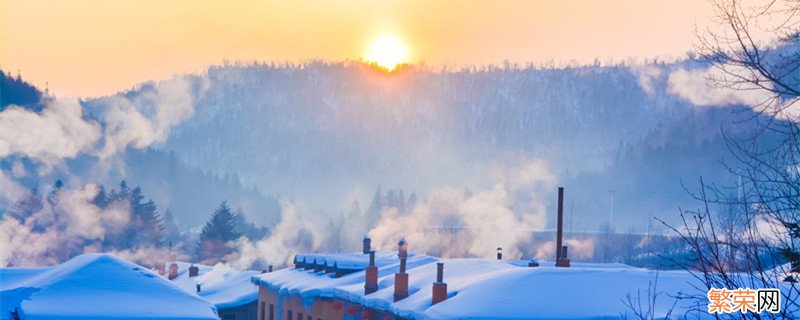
(221, 284)
(96, 286)
(352, 261)
(310, 285)
(490, 289)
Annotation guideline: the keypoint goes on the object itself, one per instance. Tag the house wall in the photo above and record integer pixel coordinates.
(321, 309)
(245, 312)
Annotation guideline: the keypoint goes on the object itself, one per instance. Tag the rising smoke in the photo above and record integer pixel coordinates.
(457, 223)
(448, 222)
(67, 223)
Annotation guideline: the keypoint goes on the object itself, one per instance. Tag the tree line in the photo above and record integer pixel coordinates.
(144, 226)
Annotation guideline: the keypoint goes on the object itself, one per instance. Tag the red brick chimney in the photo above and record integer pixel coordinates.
(401, 278)
(400, 286)
(371, 282)
(194, 271)
(439, 287)
(160, 268)
(173, 270)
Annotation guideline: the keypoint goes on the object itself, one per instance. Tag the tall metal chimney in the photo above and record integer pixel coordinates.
(560, 223)
(561, 250)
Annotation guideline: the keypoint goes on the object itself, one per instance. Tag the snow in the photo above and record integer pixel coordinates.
(491, 289)
(96, 286)
(221, 284)
(352, 260)
(310, 285)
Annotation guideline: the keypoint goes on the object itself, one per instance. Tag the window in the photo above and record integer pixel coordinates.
(299, 316)
(271, 311)
(229, 317)
(309, 318)
(289, 314)
(263, 311)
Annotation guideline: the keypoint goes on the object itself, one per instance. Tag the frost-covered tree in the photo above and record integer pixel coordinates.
(218, 233)
(29, 204)
(766, 207)
(145, 220)
(247, 228)
(375, 208)
(412, 201)
(172, 233)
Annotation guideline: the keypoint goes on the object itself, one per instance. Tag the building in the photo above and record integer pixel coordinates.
(96, 286)
(395, 285)
(230, 290)
(458, 288)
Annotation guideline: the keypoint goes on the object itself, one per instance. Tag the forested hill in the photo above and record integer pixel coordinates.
(14, 90)
(324, 132)
(191, 193)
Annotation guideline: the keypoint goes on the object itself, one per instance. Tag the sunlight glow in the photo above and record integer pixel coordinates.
(387, 51)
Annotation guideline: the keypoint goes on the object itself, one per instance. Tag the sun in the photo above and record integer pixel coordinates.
(387, 51)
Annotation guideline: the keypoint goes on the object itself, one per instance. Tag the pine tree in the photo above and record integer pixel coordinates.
(171, 232)
(412, 201)
(58, 188)
(101, 200)
(401, 201)
(27, 206)
(246, 228)
(392, 199)
(375, 208)
(145, 219)
(356, 225)
(219, 230)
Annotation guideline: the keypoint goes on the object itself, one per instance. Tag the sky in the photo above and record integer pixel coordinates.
(95, 47)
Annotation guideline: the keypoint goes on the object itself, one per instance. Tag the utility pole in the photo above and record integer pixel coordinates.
(611, 207)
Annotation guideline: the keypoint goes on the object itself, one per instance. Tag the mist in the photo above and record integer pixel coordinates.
(299, 150)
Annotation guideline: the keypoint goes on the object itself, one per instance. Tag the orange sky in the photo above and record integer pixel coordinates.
(94, 47)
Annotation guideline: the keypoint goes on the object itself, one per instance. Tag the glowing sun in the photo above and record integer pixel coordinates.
(387, 51)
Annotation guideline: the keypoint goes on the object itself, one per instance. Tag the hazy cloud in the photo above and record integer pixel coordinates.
(697, 86)
(61, 131)
(146, 118)
(58, 132)
(647, 74)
